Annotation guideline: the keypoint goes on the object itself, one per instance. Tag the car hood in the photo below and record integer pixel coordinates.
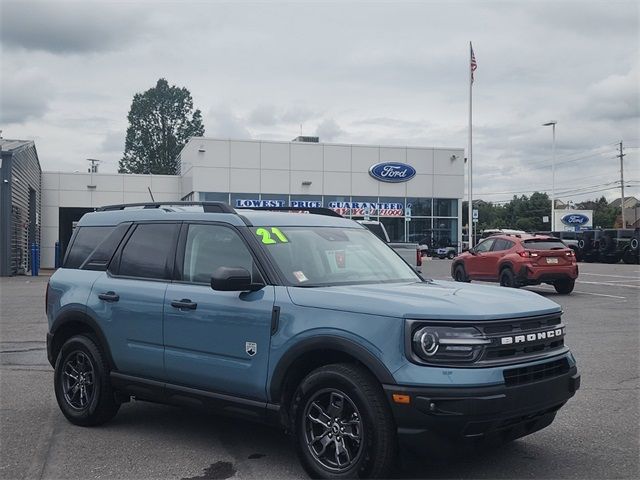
(428, 300)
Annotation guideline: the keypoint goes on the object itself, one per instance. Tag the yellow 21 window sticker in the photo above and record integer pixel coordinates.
(271, 235)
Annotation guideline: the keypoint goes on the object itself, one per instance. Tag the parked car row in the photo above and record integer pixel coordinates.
(606, 246)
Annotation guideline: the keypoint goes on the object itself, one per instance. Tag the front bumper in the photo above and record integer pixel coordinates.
(438, 419)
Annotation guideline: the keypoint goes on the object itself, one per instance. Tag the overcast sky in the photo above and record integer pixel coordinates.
(351, 72)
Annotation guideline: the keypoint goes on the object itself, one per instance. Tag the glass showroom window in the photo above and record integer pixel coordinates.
(420, 207)
(394, 228)
(419, 231)
(445, 207)
(214, 197)
(445, 231)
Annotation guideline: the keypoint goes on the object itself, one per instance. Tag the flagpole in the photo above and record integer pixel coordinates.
(470, 154)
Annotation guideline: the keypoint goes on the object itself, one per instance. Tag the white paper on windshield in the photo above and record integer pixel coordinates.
(300, 276)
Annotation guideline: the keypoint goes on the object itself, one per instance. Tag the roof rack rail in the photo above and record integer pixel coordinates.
(209, 207)
(327, 212)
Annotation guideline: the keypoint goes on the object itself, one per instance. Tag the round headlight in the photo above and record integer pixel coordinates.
(427, 341)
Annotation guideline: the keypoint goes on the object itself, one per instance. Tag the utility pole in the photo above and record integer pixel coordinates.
(621, 156)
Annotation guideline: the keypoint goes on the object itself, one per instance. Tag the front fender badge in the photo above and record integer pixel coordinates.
(251, 348)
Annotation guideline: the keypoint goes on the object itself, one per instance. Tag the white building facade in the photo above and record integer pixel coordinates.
(415, 192)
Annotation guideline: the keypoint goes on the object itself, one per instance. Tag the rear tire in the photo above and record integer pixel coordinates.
(451, 255)
(565, 287)
(81, 382)
(342, 407)
(508, 278)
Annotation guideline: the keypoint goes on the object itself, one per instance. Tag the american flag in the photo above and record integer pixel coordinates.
(474, 65)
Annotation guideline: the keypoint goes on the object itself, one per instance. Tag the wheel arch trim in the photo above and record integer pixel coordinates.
(77, 316)
(326, 342)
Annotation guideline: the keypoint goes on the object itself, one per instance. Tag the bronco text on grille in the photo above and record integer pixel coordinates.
(524, 337)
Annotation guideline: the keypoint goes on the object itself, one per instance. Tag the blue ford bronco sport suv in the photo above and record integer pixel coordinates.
(309, 322)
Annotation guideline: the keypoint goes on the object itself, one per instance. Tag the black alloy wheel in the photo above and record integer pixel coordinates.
(82, 382)
(342, 424)
(333, 429)
(78, 376)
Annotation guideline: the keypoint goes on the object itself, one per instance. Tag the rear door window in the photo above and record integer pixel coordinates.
(501, 245)
(85, 241)
(550, 244)
(150, 251)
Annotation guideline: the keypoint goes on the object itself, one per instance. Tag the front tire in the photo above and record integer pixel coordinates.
(343, 425)
(451, 255)
(81, 382)
(459, 274)
(565, 287)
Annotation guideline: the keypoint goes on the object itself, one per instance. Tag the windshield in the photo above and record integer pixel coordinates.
(322, 256)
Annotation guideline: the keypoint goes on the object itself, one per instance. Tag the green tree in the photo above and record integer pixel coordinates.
(604, 215)
(161, 120)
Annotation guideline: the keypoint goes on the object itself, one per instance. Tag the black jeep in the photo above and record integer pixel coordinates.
(589, 245)
(615, 245)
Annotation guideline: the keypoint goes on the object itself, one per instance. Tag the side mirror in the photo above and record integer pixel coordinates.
(233, 279)
(472, 251)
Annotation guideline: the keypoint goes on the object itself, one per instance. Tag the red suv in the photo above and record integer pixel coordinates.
(518, 260)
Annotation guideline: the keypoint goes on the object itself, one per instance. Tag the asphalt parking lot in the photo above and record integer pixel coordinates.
(596, 435)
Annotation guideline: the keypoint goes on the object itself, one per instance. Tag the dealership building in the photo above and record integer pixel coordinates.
(415, 192)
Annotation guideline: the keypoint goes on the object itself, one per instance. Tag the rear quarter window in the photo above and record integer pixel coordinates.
(544, 244)
(85, 241)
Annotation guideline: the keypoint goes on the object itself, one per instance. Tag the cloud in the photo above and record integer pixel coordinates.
(329, 130)
(24, 95)
(113, 142)
(67, 27)
(264, 115)
(270, 115)
(616, 97)
(224, 123)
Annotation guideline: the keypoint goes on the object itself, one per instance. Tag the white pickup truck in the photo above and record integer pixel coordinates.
(410, 252)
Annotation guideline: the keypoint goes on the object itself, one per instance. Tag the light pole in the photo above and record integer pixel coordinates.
(553, 123)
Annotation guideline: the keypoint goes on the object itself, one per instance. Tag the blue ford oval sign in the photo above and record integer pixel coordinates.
(574, 219)
(392, 172)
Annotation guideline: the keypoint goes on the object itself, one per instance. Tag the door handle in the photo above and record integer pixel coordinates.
(109, 296)
(184, 303)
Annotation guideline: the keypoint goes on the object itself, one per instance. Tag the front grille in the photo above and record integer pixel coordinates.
(517, 330)
(534, 373)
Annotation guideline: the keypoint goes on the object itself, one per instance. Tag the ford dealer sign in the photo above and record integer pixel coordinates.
(574, 219)
(392, 172)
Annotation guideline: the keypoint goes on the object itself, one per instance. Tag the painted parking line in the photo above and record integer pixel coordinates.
(609, 284)
(624, 281)
(551, 289)
(613, 276)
